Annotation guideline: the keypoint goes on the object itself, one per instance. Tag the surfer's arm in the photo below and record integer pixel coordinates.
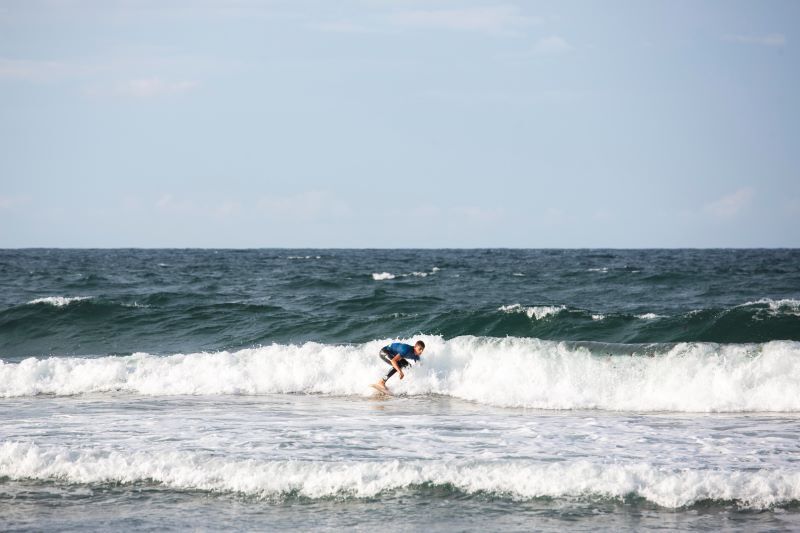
(395, 364)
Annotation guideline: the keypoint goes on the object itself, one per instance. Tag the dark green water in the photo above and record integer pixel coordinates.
(168, 301)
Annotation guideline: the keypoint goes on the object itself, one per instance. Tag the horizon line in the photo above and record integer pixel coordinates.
(397, 248)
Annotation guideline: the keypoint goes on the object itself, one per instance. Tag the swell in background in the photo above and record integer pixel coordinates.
(100, 302)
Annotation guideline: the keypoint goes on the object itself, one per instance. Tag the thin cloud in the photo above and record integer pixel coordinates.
(307, 205)
(97, 79)
(154, 87)
(341, 26)
(772, 39)
(168, 203)
(462, 213)
(552, 216)
(40, 71)
(482, 97)
(10, 202)
(791, 207)
(493, 19)
(603, 215)
(476, 213)
(731, 205)
(551, 45)
(227, 208)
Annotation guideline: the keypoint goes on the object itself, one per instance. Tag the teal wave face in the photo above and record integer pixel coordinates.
(96, 302)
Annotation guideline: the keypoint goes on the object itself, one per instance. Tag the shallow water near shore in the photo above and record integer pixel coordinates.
(334, 462)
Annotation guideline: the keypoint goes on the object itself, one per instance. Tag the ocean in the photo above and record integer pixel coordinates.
(560, 390)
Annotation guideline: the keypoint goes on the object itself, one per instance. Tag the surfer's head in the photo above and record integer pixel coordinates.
(419, 347)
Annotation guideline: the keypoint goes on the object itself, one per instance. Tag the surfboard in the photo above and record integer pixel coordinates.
(382, 390)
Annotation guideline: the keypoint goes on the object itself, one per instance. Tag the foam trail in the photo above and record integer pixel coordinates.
(510, 372)
(520, 479)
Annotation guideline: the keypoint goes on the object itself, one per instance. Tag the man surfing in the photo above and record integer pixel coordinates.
(397, 355)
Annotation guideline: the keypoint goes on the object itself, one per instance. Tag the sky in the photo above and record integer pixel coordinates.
(396, 124)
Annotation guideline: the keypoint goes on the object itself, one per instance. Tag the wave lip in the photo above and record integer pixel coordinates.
(510, 372)
(785, 306)
(649, 316)
(381, 276)
(537, 312)
(58, 301)
(515, 478)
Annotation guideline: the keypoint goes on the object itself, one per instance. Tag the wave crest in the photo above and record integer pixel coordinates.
(786, 306)
(510, 372)
(58, 301)
(535, 312)
(518, 478)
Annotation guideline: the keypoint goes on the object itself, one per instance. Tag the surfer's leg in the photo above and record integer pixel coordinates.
(402, 364)
(386, 357)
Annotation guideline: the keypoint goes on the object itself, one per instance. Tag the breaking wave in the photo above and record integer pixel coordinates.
(537, 312)
(510, 372)
(382, 276)
(515, 478)
(58, 301)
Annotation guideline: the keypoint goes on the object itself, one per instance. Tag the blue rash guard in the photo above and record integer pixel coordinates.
(393, 350)
(405, 351)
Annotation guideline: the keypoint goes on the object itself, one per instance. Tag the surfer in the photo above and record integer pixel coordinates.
(397, 355)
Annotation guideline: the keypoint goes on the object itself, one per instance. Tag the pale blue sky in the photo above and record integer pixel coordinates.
(399, 124)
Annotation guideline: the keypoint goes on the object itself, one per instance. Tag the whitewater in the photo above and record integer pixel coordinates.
(511, 372)
(515, 419)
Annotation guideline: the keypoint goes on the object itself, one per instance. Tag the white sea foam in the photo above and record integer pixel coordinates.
(603, 270)
(58, 301)
(598, 317)
(136, 305)
(509, 372)
(649, 316)
(380, 276)
(785, 306)
(518, 478)
(537, 312)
